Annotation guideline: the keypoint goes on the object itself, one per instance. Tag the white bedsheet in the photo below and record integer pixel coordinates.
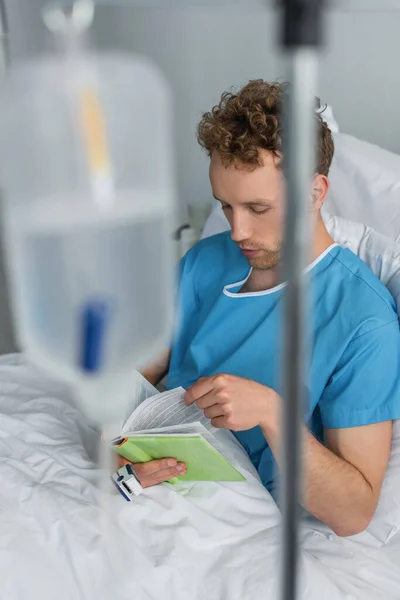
(214, 541)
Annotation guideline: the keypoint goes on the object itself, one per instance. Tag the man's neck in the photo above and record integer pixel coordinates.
(261, 280)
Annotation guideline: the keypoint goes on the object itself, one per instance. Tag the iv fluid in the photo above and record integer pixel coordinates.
(88, 186)
(62, 267)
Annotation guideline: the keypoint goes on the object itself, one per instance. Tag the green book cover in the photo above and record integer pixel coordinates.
(203, 462)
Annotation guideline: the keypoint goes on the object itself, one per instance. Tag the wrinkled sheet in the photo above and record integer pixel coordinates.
(202, 541)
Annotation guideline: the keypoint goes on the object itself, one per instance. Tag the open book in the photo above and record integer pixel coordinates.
(162, 426)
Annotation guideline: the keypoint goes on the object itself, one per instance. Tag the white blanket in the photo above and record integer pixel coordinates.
(207, 542)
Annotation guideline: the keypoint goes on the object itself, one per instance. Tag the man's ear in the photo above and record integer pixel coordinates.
(320, 188)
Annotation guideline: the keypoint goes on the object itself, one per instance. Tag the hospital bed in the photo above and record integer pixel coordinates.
(206, 541)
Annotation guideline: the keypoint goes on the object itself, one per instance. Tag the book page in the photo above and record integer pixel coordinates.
(165, 410)
(185, 429)
(138, 389)
(141, 390)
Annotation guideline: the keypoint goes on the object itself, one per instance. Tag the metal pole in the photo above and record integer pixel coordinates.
(299, 158)
(301, 37)
(4, 39)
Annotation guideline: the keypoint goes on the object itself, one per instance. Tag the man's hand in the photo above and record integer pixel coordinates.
(342, 480)
(155, 471)
(234, 402)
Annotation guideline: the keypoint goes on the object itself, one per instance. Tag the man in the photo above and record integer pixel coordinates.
(227, 349)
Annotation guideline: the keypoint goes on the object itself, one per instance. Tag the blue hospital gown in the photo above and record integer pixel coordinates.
(354, 377)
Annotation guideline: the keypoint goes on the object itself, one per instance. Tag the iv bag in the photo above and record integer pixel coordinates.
(88, 208)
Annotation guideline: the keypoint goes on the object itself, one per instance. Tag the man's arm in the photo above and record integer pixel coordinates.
(342, 481)
(156, 372)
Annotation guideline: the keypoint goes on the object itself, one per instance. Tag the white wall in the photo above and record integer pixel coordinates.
(26, 27)
(359, 74)
(201, 56)
(204, 51)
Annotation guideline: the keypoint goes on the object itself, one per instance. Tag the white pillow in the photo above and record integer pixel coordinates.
(365, 185)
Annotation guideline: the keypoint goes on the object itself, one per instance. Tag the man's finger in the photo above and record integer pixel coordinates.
(209, 400)
(154, 466)
(219, 423)
(203, 386)
(162, 476)
(217, 410)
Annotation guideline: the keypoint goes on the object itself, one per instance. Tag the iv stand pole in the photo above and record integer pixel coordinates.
(4, 57)
(301, 38)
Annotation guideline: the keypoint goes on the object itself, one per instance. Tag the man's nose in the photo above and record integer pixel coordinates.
(240, 230)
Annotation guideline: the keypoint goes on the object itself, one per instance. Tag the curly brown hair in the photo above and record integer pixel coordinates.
(245, 122)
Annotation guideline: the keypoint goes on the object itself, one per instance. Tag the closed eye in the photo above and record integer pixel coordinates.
(256, 209)
(259, 210)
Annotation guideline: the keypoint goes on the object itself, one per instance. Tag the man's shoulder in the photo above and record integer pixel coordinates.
(214, 253)
(363, 357)
(363, 293)
(219, 243)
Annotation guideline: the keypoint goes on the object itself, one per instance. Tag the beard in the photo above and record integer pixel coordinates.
(268, 258)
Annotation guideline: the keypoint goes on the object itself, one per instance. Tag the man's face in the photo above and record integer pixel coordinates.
(253, 202)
